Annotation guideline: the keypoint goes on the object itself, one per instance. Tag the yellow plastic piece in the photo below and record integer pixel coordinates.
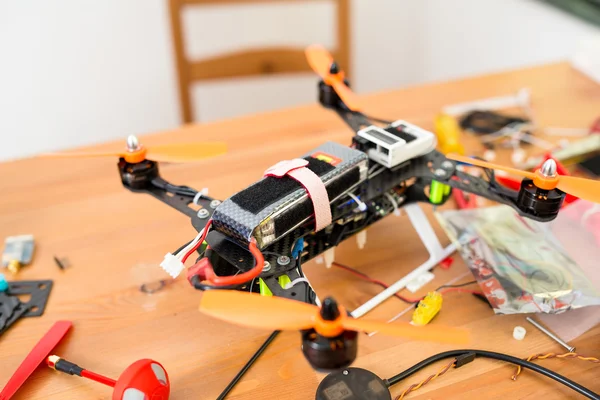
(284, 280)
(264, 289)
(427, 309)
(448, 131)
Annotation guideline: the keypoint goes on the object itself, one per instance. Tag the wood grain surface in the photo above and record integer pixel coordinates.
(114, 241)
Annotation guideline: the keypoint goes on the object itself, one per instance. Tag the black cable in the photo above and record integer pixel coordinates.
(456, 286)
(496, 356)
(182, 247)
(372, 118)
(197, 284)
(249, 364)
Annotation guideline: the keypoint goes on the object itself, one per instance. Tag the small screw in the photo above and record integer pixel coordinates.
(266, 266)
(283, 260)
(439, 172)
(447, 164)
(203, 213)
(345, 372)
(215, 203)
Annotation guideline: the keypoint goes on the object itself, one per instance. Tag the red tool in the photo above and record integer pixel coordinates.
(35, 357)
(144, 379)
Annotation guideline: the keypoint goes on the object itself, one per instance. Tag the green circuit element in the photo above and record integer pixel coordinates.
(437, 192)
(284, 280)
(447, 190)
(264, 289)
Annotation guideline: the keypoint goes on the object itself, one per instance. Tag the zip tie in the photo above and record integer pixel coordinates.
(394, 203)
(361, 206)
(296, 281)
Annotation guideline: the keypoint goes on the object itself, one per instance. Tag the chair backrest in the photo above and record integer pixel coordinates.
(251, 62)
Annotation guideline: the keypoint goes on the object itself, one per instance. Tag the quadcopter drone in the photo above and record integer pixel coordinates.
(257, 240)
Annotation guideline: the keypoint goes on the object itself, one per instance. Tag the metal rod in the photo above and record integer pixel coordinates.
(246, 367)
(551, 335)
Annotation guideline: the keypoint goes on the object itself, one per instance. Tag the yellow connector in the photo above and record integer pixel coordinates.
(448, 131)
(427, 309)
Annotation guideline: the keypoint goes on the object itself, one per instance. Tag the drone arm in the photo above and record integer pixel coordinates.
(145, 178)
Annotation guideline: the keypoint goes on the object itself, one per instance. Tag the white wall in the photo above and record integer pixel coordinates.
(74, 72)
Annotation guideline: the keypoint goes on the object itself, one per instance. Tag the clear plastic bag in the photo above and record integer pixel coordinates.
(520, 264)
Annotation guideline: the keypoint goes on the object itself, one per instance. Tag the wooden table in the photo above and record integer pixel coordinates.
(114, 240)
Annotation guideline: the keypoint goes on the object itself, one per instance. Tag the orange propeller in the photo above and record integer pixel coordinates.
(276, 313)
(321, 61)
(545, 178)
(176, 152)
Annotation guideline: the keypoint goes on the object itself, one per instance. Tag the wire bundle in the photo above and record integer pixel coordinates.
(541, 356)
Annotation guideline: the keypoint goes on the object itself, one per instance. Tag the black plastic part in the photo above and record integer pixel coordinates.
(329, 309)
(139, 177)
(8, 306)
(464, 359)
(329, 354)
(39, 292)
(353, 384)
(334, 68)
(68, 367)
(538, 202)
(16, 315)
(485, 122)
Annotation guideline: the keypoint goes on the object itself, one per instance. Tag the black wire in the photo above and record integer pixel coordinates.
(249, 364)
(197, 284)
(177, 189)
(455, 286)
(182, 247)
(372, 118)
(496, 356)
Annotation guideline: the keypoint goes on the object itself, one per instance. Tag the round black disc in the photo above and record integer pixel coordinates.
(353, 384)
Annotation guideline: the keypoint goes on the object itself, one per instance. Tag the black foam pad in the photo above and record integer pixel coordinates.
(269, 190)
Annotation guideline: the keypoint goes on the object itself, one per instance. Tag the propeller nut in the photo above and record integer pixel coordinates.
(133, 143)
(548, 169)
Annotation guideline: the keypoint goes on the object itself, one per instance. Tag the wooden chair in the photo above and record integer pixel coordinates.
(252, 62)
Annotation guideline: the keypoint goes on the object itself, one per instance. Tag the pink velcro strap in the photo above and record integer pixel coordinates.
(296, 169)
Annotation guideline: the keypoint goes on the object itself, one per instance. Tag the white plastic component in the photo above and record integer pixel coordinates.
(172, 265)
(329, 257)
(420, 281)
(437, 253)
(518, 156)
(361, 239)
(520, 99)
(392, 149)
(489, 155)
(564, 143)
(394, 202)
(519, 332)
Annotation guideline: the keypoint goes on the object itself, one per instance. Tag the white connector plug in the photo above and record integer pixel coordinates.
(172, 265)
(329, 257)
(361, 239)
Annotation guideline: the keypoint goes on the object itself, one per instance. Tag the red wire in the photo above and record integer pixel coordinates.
(406, 299)
(98, 378)
(461, 290)
(189, 253)
(371, 280)
(243, 277)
